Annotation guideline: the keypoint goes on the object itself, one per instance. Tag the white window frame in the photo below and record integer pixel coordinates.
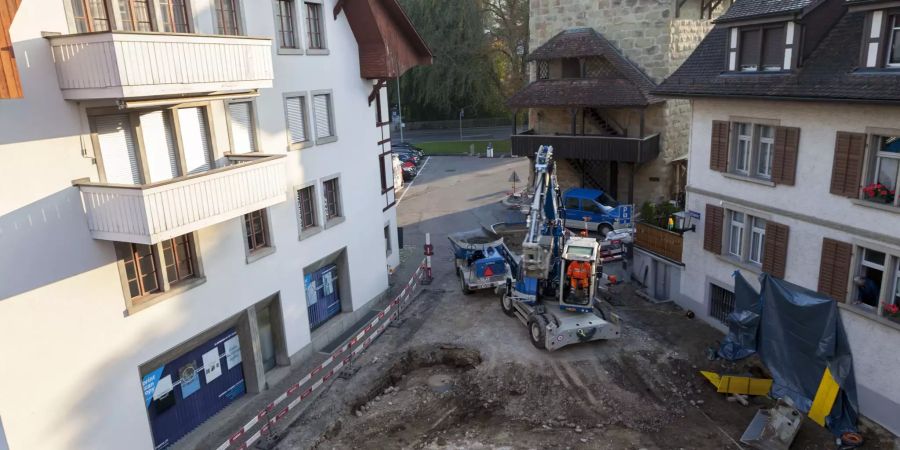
(754, 224)
(891, 29)
(889, 280)
(739, 141)
(759, 246)
(735, 227)
(754, 142)
(334, 134)
(874, 156)
(763, 167)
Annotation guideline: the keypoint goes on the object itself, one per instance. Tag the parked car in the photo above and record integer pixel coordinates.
(602, 212)
(409, 147)
(410, 157)
(409, 170)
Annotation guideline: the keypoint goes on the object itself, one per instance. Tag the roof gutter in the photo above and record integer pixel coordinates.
(781, 97)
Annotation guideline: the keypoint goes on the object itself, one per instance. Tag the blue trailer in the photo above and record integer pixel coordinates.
(480, 261)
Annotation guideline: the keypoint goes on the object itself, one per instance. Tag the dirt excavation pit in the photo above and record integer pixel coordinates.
(444, 397)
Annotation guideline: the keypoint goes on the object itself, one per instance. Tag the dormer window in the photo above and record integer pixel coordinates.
(571, 68)
(893, 56)
(881, 40)
(761, 48)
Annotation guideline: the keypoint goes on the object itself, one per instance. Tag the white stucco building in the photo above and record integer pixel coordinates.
(788, 137)
(195, 196)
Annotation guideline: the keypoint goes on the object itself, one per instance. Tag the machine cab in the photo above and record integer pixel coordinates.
(578, 267)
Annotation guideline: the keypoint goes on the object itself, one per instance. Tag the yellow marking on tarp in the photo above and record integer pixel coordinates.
(729, 384)
(825, 397)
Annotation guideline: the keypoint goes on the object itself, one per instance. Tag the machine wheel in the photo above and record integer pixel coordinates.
(506, 304)
(463, 285)
(603, 229)
(537, 331)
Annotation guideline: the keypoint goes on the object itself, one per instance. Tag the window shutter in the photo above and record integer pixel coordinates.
(775, 252)
(118, 149)
(159, 143)
(784, 164)
(870, 54)
(712, 230)
(322, 106)
(773, 47)
(296, 116)
(849, 153)
(749, 48)
(718, 149)
(194, 139)
(242, 128)
(834, 269)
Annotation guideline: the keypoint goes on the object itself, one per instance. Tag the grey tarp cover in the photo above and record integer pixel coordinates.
(743, 322)
(799, 334)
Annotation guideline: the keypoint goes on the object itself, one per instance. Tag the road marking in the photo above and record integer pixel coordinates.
(413, 181)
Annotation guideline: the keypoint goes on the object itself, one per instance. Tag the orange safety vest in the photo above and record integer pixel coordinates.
(579, 270)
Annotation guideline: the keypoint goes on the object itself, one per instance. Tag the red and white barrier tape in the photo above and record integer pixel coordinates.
(396, 303)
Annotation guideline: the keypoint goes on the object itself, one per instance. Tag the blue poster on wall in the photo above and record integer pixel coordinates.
(179, 399)
(149, 383)
(190, 381)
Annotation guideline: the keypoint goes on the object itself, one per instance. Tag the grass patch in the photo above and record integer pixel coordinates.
(462, 147)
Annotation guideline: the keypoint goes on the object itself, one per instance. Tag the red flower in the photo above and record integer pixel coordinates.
(892, 309)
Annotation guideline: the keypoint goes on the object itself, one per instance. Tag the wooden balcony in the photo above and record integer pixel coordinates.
(598, 148)
(662, 242)
(150, 213)
(121, 65)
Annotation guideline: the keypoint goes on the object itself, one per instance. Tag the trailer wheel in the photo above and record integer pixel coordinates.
(506, 304)
(464, 286)
(537, 331)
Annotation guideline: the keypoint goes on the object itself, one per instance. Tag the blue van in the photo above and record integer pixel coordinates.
(603, 212)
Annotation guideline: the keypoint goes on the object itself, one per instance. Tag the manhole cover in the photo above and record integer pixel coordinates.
(440, 382)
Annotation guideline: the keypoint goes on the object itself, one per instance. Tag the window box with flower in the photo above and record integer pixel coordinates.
(880, 193)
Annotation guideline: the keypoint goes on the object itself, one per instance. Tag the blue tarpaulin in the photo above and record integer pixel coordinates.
(797, 333)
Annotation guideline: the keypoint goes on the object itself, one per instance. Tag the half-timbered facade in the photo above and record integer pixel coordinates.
(795, 151)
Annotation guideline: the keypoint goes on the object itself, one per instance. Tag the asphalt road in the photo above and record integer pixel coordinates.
(469, 134)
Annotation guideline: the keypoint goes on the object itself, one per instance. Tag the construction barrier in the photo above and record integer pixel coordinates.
(267, 419)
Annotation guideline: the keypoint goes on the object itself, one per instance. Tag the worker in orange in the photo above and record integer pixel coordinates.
(579, 273)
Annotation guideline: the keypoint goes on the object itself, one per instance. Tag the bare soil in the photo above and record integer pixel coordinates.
(444, 396)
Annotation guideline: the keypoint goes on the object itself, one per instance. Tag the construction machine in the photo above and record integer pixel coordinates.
(553, 285)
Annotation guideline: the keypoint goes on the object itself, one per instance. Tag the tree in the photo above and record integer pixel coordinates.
(508, 29)
(462, 75)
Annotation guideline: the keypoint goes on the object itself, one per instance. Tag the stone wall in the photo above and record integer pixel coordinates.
(649, 34)
(638, 28)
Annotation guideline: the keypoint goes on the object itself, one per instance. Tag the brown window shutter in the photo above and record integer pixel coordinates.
(849, 154)
(834, 269)
(775, 252)
(784, 161)
(718, 149)
(712, 230)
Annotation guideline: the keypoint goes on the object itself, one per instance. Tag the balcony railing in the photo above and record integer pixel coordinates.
(598, 148)
(121, 65)
(150, 213)
(663, 242)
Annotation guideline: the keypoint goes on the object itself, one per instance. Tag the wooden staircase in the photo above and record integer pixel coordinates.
(605, 127)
